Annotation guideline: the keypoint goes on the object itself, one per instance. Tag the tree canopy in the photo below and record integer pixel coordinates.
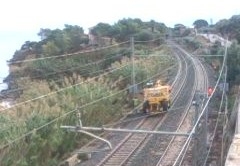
(62, 41)
(71, 39)
(102, 29)
(200, 23)
(230, 27)
(125, 28)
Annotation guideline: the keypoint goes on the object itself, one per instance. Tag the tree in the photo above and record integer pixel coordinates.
(161, 27)
(64, 41)
(50, 49)
(102, 29)
(144, 36)
(222, 26)
(200, 23)
(61, 40)
(125, 28)
(234, 27)
(230, 28)
(179, 29)
(44, 33)
(233, 62)
(74, 36)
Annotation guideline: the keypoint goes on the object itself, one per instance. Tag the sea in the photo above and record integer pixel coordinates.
(10, 41)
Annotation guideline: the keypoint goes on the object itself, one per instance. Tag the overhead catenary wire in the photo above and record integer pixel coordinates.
(61, 71)
(91, 63)
(65, 114)
(84, 65)
(143, 41)
(88, 51)
(51, 57)
(57, 118)
(57, 72)
(225, 116)
(224, 66)
(60, 90)
(55, 81)
(30, 132)
(121, 79)
(157, 74)
(204, 108)
(65, 55)
(214, 132)
(217, 123)
(57, 92)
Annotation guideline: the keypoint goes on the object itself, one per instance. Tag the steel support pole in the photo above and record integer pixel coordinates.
(196, 141)
(205, 145)
(77, 128)
(133, 67)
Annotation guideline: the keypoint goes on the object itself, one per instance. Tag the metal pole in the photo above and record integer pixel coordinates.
(77, 128)
(205, 130)
(79, 118)
(196, 133)
(97, 137)
(195, 150)
(225, 116)
(133, 68)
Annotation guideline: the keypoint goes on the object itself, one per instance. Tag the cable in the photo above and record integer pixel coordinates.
(214, 132)
(64, 55)
(220, 108)
(53, 73)
(215, 129)
(119, 80)
(55, 81)
(54, 120)
(142, 41)
(91, 63)
(65, 114)
(196, 124)
(60, 90)
(225, 115)
(30, 132)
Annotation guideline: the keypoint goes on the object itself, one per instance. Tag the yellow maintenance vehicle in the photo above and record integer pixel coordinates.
(156, 97)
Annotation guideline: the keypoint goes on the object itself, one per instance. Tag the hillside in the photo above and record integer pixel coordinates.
(68, 72)
(51, 80)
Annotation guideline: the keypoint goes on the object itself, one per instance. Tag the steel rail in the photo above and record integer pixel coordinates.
(178, 79)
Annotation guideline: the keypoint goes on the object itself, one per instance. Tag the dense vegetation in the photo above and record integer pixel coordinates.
(73, 74)
(230, 28)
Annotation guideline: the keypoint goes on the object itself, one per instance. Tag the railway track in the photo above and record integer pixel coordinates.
(123, 153)
(174, 146)
(197, 148)
(157, 146)
(144, 149)
(176, 84)
(128, 146)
